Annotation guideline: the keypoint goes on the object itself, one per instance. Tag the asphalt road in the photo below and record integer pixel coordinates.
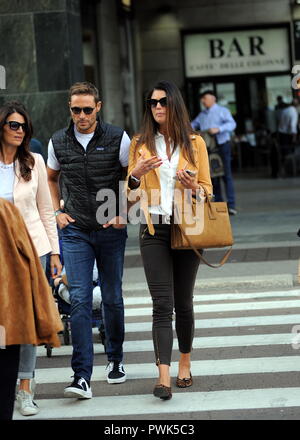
(246, 364)
(246, 358)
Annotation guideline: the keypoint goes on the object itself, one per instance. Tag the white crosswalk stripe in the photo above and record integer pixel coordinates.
(205, 308)
(190, 402)
(200, 368)
(221, 322)
(267, 310)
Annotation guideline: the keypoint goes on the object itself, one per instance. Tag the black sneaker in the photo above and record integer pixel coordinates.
(79, 388)
(116, 373)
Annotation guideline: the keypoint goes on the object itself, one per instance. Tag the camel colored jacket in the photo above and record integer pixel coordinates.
(28, 313)
(151, 180)
(33, 199)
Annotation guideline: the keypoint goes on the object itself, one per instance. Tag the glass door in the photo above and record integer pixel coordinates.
(227, 96)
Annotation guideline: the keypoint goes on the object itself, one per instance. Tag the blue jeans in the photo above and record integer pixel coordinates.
(80, 249)
(225, 153)
(28, 352)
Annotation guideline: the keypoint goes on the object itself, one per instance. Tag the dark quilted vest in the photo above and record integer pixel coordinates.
(84, 173)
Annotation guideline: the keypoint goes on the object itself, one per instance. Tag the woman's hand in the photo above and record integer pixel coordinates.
(55, 265)
(187, 181)
(143, 166)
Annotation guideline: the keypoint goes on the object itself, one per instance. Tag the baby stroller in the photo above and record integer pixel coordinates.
(61, 294)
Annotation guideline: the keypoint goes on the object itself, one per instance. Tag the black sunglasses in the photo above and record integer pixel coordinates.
(86, 110)
(14, 125)
(153, 102)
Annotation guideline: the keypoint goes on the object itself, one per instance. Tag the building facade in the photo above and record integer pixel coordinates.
(244, 50)
(41, 52)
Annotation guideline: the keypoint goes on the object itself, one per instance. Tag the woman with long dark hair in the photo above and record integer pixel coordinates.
(167, 156)
(23, 182)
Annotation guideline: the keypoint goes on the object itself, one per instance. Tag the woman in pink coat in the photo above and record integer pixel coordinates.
(23, 182)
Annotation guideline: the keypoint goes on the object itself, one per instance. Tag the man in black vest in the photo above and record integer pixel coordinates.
(86, 162)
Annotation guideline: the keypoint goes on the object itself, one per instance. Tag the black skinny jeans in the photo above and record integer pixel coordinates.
(9, 366)
(171, 276)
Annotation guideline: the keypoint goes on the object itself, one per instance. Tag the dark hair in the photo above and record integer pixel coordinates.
(208, 92)
(178, 122)
(84, 88)
(23, 155)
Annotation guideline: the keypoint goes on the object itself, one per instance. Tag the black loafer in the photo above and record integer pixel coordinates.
(163, 392)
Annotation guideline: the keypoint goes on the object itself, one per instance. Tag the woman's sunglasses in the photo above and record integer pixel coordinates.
(86, 110)
(153, 102)
(14, 125)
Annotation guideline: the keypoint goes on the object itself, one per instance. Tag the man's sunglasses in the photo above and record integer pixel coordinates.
(14, 125)
(153, 102)
(86, 110)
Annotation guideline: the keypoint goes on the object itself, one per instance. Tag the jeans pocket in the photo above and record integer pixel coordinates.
(64, 228)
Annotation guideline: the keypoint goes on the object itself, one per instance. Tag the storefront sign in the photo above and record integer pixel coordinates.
(237, 52)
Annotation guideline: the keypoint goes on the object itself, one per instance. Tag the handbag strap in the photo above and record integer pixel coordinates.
(224, 259)
(222, 262)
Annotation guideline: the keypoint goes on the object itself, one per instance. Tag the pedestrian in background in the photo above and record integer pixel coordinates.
(84, 158)
(218, 121)
(28, 314)
(23, 182)
(36, 147)
(288, 129)
(278, 109)
(159, 156)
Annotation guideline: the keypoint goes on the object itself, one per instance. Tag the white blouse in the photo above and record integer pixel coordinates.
(7, 178)
(167, 172)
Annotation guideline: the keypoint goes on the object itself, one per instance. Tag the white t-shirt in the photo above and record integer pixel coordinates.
(84, 140)
(167, 174)
(7, 179)
(288, 120)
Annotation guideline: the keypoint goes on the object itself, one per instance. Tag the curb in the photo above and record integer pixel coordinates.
(263, 281)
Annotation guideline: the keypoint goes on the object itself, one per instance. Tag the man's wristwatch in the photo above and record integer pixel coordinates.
(57, 212)
(135, 179)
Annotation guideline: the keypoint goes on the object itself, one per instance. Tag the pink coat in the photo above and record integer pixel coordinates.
(33, 199)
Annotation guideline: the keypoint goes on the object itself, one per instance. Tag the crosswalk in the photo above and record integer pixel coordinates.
(245, 359)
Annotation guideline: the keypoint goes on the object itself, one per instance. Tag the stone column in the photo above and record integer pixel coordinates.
(41, 51)
(110, 67)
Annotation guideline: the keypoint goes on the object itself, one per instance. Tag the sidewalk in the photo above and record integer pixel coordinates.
(266, 249)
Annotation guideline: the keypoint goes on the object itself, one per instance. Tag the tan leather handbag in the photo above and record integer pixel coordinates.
(208, 228)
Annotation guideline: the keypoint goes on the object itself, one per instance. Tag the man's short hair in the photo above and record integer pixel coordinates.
(208, 92)
(84, 88)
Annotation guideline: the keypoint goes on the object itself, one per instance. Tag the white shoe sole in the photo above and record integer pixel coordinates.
(28, 412)
(75, 393)
(121, 380)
